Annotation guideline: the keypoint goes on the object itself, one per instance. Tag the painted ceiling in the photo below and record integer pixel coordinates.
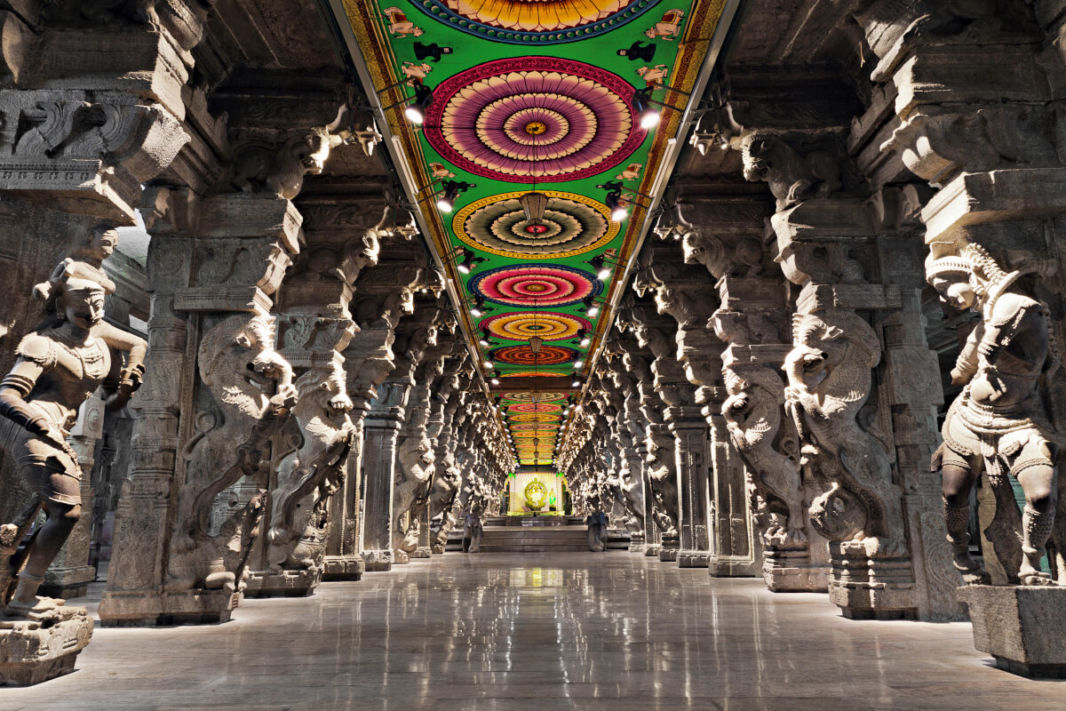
(543, 96)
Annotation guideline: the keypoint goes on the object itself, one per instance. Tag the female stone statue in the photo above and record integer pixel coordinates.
(999, 423)
(60, 364)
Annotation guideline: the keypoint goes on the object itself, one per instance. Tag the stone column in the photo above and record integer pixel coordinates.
(966, 99)
(383, 295)
(315, 326)
(388, 412)
(198, 430)
(383, 424)
(415, 454)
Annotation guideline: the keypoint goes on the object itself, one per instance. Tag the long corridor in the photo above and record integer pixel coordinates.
(540, 632)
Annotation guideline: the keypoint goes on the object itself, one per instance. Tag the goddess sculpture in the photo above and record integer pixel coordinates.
(1000, 422)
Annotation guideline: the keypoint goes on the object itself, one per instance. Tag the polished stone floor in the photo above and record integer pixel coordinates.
(611, 631)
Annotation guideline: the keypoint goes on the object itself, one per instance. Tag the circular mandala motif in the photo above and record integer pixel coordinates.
(572, 224)
(532, 427)
(542, 434)
(533, 120)
(528, 396)
(536, 21)
(535, 417)
(525, 325)
(535, 407)
(524, 355)
(535, 285)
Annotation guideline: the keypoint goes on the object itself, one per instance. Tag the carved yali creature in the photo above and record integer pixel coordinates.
(829, 380)
(60, 364)
(662, 478)
(1000, 422)
(754, 417)
(792, 177)
(239, 366)
(308, 476)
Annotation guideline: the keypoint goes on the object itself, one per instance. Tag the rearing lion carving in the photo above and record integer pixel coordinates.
(829, 376)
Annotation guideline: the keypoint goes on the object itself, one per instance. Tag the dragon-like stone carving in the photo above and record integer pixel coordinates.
(829, 381)
(754, 416)
(310, 474)
(238, 366)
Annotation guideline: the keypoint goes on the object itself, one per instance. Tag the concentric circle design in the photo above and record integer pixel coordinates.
(531, 427)
(534, 407)
(535, 21)
(526, 324)
(572, 224)
(535, 285)
(533, 120)
(542, 434)
(535, 417)
(524, 355)
(528, 396)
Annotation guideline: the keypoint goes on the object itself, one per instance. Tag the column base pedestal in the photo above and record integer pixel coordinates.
(437, 548)
(378, 561)
(344, 568)
(34, 651)
(651, 550)
(792, 571)
(66, 583)
(191, 607)
(1021, 626)
(693, 559)
(422, 552)
(722, 566)
(867, 588)
(285, 583)
(400, 557)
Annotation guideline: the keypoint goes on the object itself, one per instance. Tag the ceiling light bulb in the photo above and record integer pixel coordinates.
(618, 214)
(593, 311)
(445, 206)
(649, 119)
(603, 273)
(578, 363)
(414, 115)
(476, 312)
(576, 384)
(462, 266)
(585, 342)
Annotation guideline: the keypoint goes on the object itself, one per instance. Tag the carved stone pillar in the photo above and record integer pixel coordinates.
(415, 454)
(383, 424)
(383, 295)
(965, 97)
(200, 429)
(315, 326)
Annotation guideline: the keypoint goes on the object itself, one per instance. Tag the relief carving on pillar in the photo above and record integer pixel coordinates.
(311, 474)
(754, 415)
(238, 367)
(829, 381)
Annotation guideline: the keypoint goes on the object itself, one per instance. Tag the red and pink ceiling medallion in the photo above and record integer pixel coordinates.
(533, 119)
(537, 285)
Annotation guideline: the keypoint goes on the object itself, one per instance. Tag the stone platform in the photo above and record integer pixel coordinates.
(1022, 627)
(34, 651)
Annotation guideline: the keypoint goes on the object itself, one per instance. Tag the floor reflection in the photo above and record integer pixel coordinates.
(540, 631)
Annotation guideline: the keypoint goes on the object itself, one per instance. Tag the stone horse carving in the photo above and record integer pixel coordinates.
(754, 417)
(237, 364)
(308, 476)
(829, 381)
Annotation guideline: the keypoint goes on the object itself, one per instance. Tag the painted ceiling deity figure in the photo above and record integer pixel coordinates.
(1000, 423)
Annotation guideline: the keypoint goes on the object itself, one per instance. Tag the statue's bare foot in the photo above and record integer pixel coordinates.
(972, 573)
(40, 609)
(1028, 575)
